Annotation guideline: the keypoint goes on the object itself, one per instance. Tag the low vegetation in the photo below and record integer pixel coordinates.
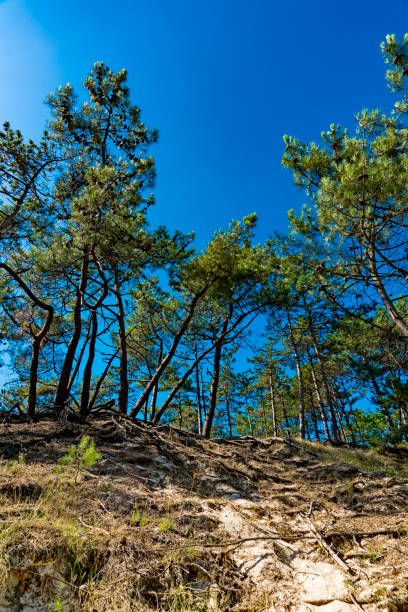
(164, 520)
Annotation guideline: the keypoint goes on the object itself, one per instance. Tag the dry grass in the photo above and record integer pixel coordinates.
(108, 559)
(105, 540)
(386, 462)
(134, 533)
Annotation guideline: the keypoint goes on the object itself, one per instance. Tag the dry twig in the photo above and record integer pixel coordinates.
(306, 520)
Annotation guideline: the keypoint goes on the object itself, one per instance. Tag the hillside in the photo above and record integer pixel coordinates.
(169, 521)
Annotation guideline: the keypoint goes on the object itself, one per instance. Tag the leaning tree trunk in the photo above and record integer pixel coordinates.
(251, 427)
(387, 301)
(314, 417)
(351, 412)
(198, 393)
(347, 421)
(35, 356)
(62, 392)
(86, 380)
(300, 379)
(285, 412)
(319, 396)
(209, 417)
(80, 356)
(334, 426)
(166, 360)
(156, 386)
(101, 380)
(123, 359)
(218, 342)
(86, 384)
(341, 416)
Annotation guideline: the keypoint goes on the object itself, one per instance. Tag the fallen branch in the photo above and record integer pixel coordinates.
(356, 602)
(366, 534)
(234, 542)
(306, 520)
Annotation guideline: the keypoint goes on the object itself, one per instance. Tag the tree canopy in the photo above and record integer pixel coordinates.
(101, 311)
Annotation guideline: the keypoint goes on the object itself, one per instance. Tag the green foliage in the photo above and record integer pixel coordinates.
(138, 519)
(16, 466)
(59, 606)
(85, 269)
(81, 456)
(166, 525)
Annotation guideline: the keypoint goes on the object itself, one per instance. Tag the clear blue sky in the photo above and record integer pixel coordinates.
(222, 81)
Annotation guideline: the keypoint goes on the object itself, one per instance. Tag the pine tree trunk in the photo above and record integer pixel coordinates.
(32, 389)
(123, 358)
(86, 384)
(37, 338)
(307, 430)
(334, 426)
(35, 354)
(180, 412)
(346, 418)
(387, 301)
(218, 342)
(319, 397)
(265, 427)
(86, 381)
(314, 418)
(340, 422)
(285, 414)
(227, 407)
(101, 379)
(300, 379)
(156, 386)
(203, 403)
(342, 415)
(213, 392)
(165, 362)
(80, 356)
(273, 406)
(198, 393)
(333, 420)
(62, 392)
(351, 411)
(145, 410)
(251, 428)
(199, 407)
(209, 417)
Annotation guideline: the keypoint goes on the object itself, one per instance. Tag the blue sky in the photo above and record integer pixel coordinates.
(222, 81)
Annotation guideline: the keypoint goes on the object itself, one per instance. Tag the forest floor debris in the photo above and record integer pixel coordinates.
(169, 521)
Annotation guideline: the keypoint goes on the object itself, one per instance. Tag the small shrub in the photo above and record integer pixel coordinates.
(167, 525)
(16, 466)
(379, 593)
(137, 518)
(80, 457)
(375, 556)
